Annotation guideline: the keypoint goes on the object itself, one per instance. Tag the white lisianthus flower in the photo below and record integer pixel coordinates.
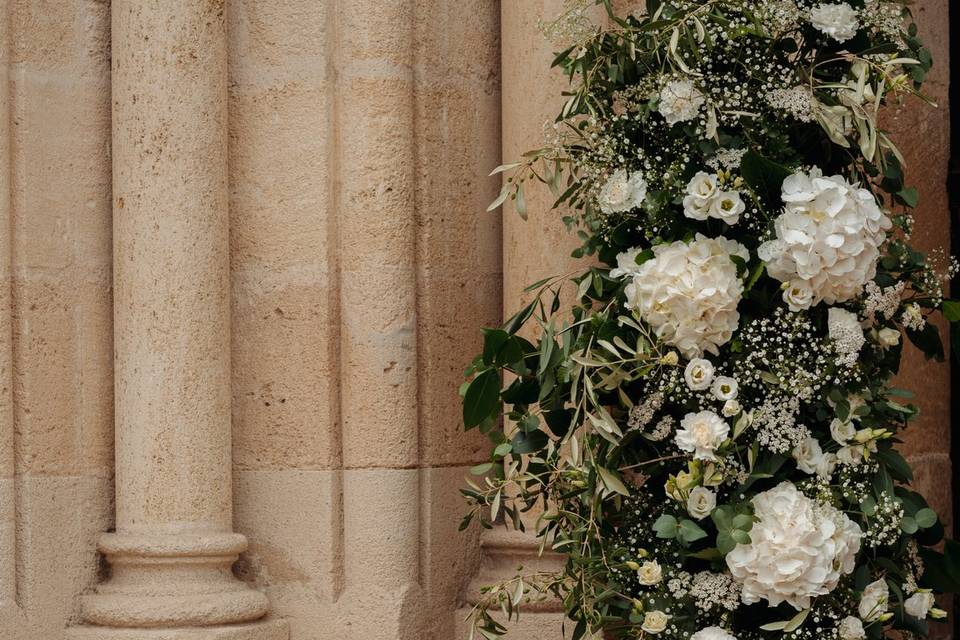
(842, 432)
(680, 101)
(712, 633)
(826, 466)
(919, 604)
(655, 622)
(688, 293)
(701, 503)
(851, 629)
(701, 191)
(731, 408)
(702, 434)
(839, 21)
(888, 337)
(799, 549)
(725, 388)
(698, 374)
(798, 295)
(828, 236)
(623, 192)
(627, 263)
(728, 206)
(650, 573)
(874, 601)
(808, 455)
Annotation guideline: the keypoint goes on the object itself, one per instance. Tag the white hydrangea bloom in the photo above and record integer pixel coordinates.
(799, 549)
(622, 192)
(702, 434)
(627, 264)
(680, 101)
(688, 293)
(839, 21)
(712, 633)
(828, 238)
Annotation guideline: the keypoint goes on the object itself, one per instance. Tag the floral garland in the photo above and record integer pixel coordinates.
(709, 432)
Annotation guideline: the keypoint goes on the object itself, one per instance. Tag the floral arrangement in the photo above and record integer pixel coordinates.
(708, 432)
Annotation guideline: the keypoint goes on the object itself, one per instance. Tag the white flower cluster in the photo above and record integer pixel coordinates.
(680, 101)
(847, 335)
(705, 199)
(715, 591)
(622, 192)
(688, 293)
(839, 21)
(883, 302)
(827, 240)
(798, 549)
(796, 101)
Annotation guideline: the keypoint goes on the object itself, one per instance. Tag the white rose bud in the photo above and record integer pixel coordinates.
(701, 503)
(698, 374)
(655, 622)
(649, 573)
(826, 466)
(919, 604)
(888, 337)
(851, 629)
(798, 295)
(873, 602)
(731, 408)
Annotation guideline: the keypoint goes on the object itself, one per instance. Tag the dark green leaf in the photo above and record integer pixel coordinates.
(482, 398)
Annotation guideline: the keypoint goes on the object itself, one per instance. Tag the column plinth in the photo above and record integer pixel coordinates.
(172, 553)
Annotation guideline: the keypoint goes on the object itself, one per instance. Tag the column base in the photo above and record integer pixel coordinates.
(172, 581)
(262, 630)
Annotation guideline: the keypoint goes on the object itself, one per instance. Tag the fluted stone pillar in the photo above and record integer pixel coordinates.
(171, 555)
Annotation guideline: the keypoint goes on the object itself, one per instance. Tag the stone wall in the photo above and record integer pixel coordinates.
(355, 139)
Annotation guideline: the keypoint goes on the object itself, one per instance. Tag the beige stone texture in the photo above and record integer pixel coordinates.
(250, 237)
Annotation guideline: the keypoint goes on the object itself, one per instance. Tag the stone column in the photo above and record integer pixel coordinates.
(172, 552)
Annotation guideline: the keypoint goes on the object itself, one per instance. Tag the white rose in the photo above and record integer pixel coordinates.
(799, 549)
(701, 434)
(851, 629)
(689, 292)
(828, 236)
(873, 602)
(839, 21)
(888, 337)
(701, 503)
(680, 101)
(655, 622)
(627, 263)
(731, 408)
(728, 206)
(701, 191)
(712, 633)
(623, 192)
(919, 604)
(650, 573)
(725, 388)
(798, 295)
(808, 455)
(842, 432)
(698, 374)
